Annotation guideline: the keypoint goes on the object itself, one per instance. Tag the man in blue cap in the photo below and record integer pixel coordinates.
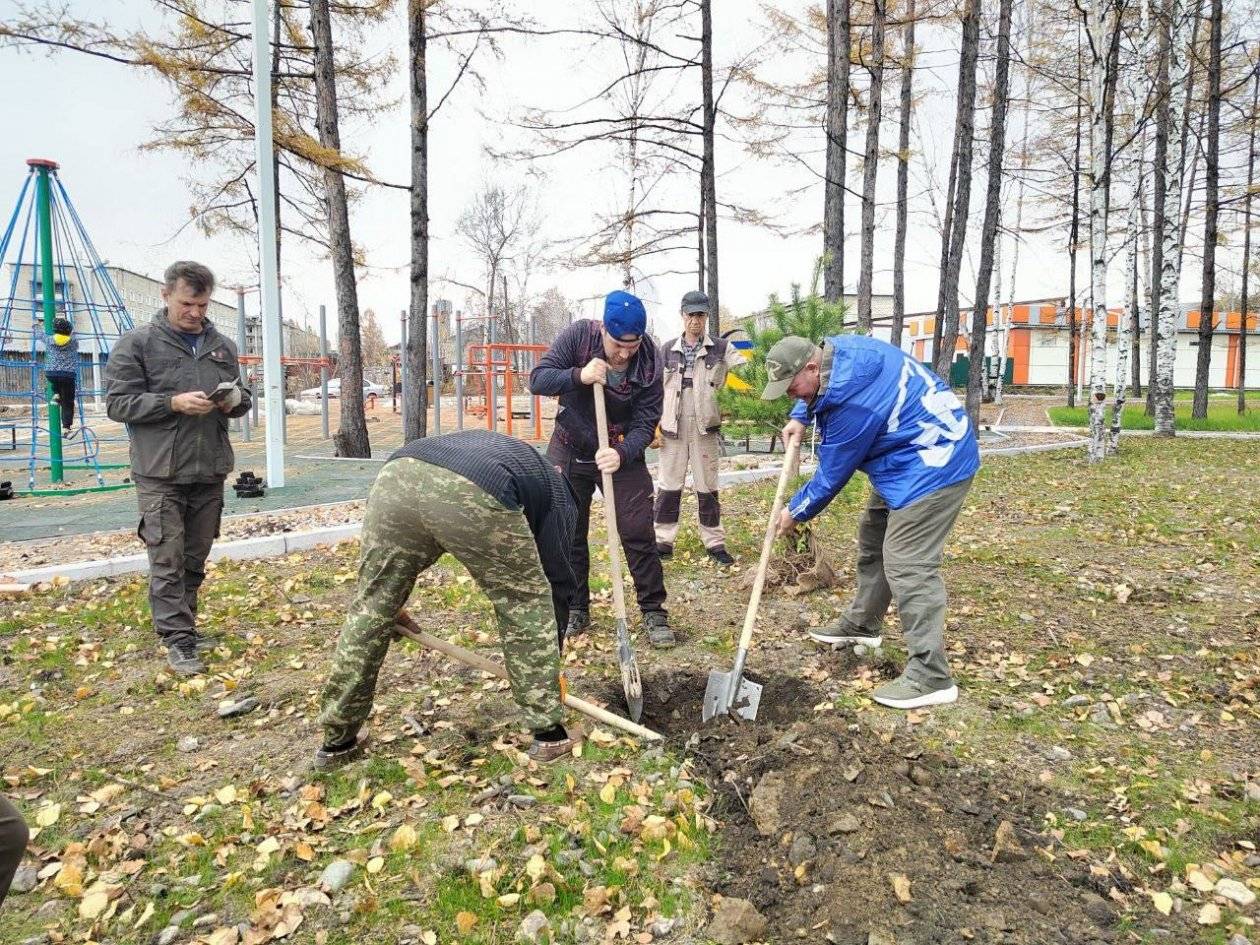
(618, 354)
(881, 411)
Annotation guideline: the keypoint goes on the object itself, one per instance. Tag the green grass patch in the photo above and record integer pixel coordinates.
(1221, 417)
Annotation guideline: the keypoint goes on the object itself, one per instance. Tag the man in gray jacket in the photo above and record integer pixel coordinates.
(167, 381)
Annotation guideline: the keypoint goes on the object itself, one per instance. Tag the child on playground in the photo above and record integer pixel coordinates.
(61, 363)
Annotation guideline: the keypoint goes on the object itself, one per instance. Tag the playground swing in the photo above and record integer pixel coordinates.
(54, 272)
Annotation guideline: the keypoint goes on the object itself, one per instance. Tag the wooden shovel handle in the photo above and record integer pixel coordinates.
(610, 510)
(407, 627)
(759, 580)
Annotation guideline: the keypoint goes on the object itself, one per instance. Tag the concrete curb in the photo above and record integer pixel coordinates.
(271, 546)
(265, 546)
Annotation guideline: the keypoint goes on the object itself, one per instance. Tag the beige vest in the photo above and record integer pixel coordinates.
(707, 376)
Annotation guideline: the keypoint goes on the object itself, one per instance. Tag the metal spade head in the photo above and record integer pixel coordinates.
(718, 697)
(630, 680)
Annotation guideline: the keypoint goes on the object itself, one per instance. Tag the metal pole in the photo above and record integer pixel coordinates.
(269, 300)
(529, 364)
(323, 368)
(437, 373)
(242, 421)
(492, 387)
(459, 371)
(402, 359)
(49, 288)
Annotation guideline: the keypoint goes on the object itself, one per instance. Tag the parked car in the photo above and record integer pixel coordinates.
(334, 390)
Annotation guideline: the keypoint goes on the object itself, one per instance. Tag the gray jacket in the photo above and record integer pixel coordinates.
(147, 368)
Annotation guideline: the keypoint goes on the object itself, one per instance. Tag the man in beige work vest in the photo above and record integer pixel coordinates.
(695, 370)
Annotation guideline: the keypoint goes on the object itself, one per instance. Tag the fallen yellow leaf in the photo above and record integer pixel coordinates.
(465, 921)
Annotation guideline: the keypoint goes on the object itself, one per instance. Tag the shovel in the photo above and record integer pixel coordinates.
(407, 627)
(730, 693)
(630, 680)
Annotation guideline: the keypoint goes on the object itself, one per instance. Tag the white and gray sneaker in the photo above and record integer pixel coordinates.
(906, 693)
(838, 634)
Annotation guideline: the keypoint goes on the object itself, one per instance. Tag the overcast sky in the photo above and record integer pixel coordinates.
(93, 116)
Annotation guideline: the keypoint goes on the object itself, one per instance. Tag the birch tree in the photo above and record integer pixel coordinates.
(1169, 309)
(992, 211)
(1131, 317)
(1159, 197)
(1098, 28)
(870, 166)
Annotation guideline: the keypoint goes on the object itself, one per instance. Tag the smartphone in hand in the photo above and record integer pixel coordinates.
(222, 391)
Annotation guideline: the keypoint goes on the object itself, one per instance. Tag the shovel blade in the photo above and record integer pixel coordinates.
(630, 679)
(718, 701)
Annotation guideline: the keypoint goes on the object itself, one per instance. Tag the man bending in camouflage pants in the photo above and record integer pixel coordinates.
(503, 512)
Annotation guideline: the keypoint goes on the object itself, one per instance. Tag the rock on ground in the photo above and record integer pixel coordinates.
(765, 803)
(336, 875)
(533, 928)
(736, 921)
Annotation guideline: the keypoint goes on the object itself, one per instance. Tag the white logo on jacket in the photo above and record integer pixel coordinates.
(937, 441)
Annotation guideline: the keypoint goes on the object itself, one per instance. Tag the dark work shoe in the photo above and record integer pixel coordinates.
(330, 759)
(204, 644)
(721, 556)
(664, 551)
(659, 632)
(182, 658)
(579, 623)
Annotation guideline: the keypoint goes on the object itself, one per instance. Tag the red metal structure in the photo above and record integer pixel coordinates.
(494, 362)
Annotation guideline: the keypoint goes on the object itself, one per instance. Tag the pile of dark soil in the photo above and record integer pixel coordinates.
(841, 833)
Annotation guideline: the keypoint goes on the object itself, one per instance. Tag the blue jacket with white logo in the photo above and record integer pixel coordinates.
(886, 414)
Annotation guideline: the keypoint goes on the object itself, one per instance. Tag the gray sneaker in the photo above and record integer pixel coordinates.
(839, 633)
(905, 693)
(182, 658)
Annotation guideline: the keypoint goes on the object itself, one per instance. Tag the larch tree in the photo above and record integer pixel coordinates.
(870, 166)
(903, 175)
(992, 212)
(415, 404)
(1211, 212)
(1244, 303)
(708, 166)
(839, 43)
(964, 134)
(351, 438)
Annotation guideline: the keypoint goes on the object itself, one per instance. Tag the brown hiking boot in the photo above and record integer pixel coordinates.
(547, 752)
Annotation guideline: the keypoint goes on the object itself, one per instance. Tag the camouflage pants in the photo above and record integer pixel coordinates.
(415, 512)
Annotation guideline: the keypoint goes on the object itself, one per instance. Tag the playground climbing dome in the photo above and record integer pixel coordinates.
(51, 270)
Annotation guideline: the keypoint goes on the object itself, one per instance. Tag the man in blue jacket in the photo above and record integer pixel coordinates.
(881, 411)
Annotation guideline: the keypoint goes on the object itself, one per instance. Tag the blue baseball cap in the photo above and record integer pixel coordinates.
(624, 315)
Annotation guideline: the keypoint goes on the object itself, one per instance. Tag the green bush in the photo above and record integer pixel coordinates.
(808, 316)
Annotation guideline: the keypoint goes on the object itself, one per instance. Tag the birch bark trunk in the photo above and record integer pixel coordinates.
(903, 178)
(416, 354)
(1100, 43)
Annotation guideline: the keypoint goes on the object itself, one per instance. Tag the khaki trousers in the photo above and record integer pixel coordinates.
(700, 451)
